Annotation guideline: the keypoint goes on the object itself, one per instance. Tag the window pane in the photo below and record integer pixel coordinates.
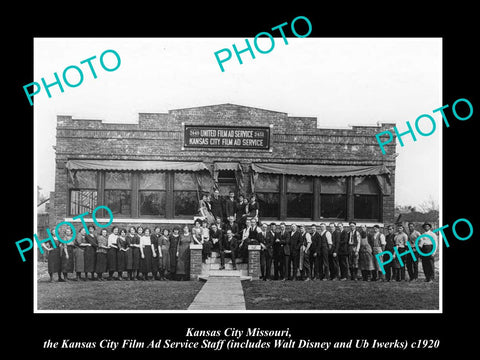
(185, 181)
(118, 201)
(300, 184)
(83, 179)
(118, 180)
(333, 186)
(186, 203)
(333, 206)
(269, 204)
(366, 207)
(82, 201)
(365, 185)
(267, 183)
(299, 205)
(152, 181)
(152, 203)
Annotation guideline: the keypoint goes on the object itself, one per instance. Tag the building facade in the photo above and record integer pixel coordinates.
(153, 172)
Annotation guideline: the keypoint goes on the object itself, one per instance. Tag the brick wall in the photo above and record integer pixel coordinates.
(254, 261)
(160, 137)
(195, 261)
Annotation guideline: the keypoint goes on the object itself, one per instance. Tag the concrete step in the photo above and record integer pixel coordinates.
(228, 266)
(224, 273)
(242, 277)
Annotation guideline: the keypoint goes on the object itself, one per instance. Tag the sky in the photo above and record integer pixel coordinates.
(340, 81)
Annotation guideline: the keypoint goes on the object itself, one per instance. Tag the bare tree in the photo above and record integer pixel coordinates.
(428, 205)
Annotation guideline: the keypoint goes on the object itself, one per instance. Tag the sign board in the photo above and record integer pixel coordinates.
(227, 137)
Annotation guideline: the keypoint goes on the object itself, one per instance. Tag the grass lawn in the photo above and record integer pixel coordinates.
(114, 295)
(340, 295)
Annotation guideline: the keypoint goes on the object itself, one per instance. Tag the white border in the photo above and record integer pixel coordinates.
(35, 257)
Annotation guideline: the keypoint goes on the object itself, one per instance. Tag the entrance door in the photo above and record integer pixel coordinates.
(227, 182)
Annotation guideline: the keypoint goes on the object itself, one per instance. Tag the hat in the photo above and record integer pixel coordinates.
(426, 223)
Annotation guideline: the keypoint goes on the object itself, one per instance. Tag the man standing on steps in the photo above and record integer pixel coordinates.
(217, 206)
(230, 206)
(228, 247)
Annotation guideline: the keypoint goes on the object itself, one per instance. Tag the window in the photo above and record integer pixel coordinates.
(118, 192)
(152, 194)
(367, 198)
(267, 189)
(333, 198)
(226, 182)
(185, 194)
(83, 192)
(299, 197)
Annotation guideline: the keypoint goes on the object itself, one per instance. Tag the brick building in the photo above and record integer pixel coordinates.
(153, 172)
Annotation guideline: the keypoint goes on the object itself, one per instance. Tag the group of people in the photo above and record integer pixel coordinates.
(137, 253)
(227, 227)
(336, 253)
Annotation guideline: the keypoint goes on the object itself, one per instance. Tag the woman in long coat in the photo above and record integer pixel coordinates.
(164, 255)
(173, 251)
(365, 257)
(90, 252)
(101, 263)
(67, 253)
(122, 254)
(78, 253)
(183, 254)
(54, 258)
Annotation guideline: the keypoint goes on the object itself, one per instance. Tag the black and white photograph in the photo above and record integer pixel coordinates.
(241, 187)
(223, 181)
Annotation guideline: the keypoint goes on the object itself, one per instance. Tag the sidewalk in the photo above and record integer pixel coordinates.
(220, 293)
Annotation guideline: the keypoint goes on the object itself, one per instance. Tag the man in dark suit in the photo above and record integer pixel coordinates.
(272, 235)
(216, 236)
(232, 225)
(229, 247)
(265, 253)
(284, 237)
(295, 244)
(314, 256)
(254, 230)
(333, 260)
(217, 206)
(341, 251)
(230, 206)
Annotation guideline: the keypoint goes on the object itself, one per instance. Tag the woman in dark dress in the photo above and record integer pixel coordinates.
(54, 258)
(146, 254)
(122, 253)
(90, 252)
(131, 239)
(252, 208)
(164, 255)
(67, 253)
(183, 254)
(157, 252)
(102, 248)
(173, 251)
